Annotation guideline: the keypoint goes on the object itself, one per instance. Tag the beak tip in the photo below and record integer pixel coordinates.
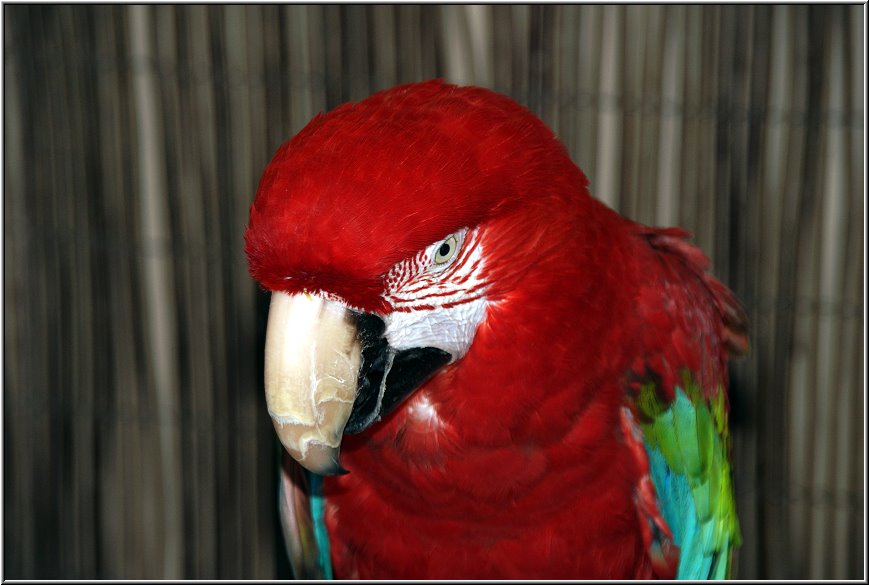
(312, 454)
(335, 470)
(332, 469)
(322, 460)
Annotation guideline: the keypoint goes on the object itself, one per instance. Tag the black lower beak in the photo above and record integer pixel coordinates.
(387, 376)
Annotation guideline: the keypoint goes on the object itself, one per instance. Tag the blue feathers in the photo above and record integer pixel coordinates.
(688, 464)
(679, 511)
(318, 514)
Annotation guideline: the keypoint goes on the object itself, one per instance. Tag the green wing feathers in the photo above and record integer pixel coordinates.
(688, 448)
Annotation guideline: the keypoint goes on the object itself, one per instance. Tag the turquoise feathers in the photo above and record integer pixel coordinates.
(687, 445)
(318, 514)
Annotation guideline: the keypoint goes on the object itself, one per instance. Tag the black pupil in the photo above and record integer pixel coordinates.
(444, 249)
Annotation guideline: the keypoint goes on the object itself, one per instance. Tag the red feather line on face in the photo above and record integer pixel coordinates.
(415, 283)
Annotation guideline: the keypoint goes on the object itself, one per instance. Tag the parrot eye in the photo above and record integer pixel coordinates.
(446, 251)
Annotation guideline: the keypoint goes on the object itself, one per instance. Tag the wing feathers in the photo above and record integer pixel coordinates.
(687, 461)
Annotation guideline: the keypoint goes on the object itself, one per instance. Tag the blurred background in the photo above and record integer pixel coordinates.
(136, 442)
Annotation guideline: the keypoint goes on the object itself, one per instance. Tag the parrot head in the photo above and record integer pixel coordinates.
(388, 231)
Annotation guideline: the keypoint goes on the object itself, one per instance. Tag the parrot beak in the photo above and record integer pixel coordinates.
(312, 358)
(329, 370)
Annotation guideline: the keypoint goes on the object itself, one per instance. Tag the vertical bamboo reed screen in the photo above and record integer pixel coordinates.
(136, 440)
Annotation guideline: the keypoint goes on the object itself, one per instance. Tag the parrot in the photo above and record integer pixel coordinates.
(475, 368)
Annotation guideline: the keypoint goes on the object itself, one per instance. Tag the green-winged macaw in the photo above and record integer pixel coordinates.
(487, 372)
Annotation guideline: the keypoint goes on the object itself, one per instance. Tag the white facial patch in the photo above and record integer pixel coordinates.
(450, 329)
(437, 302)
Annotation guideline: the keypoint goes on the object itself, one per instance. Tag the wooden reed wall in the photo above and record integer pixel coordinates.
(136, 439)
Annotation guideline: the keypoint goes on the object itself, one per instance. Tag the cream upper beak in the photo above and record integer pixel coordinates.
(312, 359)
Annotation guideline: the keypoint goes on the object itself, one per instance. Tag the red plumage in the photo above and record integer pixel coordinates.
(525, 471)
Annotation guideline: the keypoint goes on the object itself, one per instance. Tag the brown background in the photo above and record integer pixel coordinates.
(136, 440)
